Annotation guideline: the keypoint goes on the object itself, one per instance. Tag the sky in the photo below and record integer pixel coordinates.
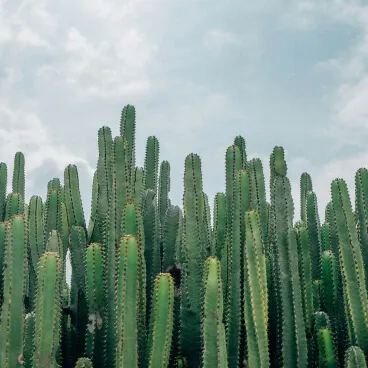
(290, 73)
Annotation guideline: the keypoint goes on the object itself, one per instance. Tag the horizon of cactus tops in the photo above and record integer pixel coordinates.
(156, 284)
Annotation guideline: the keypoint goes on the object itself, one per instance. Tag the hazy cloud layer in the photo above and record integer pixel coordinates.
(290, 73)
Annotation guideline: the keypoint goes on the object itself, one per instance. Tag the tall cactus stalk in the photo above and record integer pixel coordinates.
(47, 311)
(213, 329)
(193, 258)
(149, 284)
(127, 297)
(352, 267)
(255, 293)
(293, 337)
(12, 311)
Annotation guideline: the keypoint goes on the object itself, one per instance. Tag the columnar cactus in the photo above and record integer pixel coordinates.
(47, 311)
(255, 293)
(14, 289)
(213, 329)
(149, 284)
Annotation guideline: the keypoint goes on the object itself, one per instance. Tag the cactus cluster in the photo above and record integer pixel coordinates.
(156, 285)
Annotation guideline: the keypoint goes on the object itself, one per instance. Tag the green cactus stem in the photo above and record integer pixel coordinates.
(127, 302)
(14, 279)
(213, 329)
(255, 293)
(18, 183)
(3, 184)
(161, 329)
(326, 349)
(163, 190)
(127, 130)
(72, 195)
(305, 187)
(305, 274)
(354, 358)
(151, 163)
(95, 340)
(314, 235)
(47, 311)
(193, 247)
(351, 263)
(14, 205)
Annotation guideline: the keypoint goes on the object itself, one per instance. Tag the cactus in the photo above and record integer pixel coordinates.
(255, 293)
(161, 329)
(128, 303)
(326, 349)
(47, 311)
(305, 274)
(351, 263)
(95, 342)
(250, 289)
(293, 337)
(14, 289)
(305, 187)
(18, 183)
(354, 358)
(193, 258)
(213, 329)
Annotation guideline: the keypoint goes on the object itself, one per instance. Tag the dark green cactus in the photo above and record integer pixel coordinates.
(95, 339)
(314, 235)
(294, 343)
(352, 267)
(361, 205)
(193, 257)
(305, 274)
(233, 301)
(220, 225)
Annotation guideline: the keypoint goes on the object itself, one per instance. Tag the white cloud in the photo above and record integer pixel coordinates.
(216, 39)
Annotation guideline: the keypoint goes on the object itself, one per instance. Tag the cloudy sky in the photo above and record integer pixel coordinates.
(281, 72)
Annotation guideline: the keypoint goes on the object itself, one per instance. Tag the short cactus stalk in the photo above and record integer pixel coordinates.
(326, 349)
(161, 325)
